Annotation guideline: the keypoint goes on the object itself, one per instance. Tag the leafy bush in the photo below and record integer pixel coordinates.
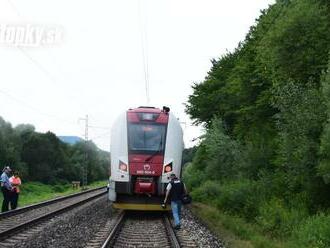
(60, 188)
(35, 188)
(43, 157)
(314, 232)
(192, 177)
(239, 197)
(207, 192)
(276, 219)
(223, 152)
(265, 107)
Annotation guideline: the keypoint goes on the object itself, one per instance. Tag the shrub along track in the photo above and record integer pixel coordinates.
(21, 219)
(140, 229)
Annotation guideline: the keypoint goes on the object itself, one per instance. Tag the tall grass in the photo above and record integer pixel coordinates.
(233, 230)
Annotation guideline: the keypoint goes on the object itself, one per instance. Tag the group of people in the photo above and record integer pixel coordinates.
(10, 182)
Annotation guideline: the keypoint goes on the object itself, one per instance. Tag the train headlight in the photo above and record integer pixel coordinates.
(168, 168)
(122, 166)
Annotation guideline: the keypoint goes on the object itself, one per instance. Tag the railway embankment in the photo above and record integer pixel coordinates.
(90, 224)
(72, 229)
(234, 231)
(34, 192)
(24, 226)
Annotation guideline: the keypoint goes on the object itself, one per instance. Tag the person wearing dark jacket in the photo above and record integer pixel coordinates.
(6, 188)
(175, 190)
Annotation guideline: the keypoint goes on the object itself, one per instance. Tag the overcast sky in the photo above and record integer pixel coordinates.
(91, 61)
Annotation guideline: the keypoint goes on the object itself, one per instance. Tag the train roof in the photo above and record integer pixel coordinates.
(146, 109)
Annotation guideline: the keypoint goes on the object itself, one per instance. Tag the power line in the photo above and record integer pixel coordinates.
(143, 33)
(46, 73)
(101, 135)
(38, 65)
(36, 110)
(34, 61)
(99, 127)
(12, 5)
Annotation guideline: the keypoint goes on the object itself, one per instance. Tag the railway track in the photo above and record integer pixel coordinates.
(138, 229)
(27, 217)
(127, 229)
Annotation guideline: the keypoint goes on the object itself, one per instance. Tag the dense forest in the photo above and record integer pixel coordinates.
(265, 156)
(43, 157)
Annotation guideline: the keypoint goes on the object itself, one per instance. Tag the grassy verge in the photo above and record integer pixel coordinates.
(98, 184)
(234, 231)
(34, 192)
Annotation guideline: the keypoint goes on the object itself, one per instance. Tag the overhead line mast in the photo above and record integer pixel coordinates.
(85, 166)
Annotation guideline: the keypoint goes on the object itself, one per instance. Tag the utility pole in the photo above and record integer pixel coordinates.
(85, 169)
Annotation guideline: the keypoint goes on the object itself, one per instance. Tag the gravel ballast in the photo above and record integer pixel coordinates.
(79, 226)
(72, 229)
(197, 231)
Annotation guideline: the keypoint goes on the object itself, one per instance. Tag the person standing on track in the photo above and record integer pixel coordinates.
(6, 188)
(175, 190)
(15, 182)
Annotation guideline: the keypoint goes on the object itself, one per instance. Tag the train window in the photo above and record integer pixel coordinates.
(146, 137)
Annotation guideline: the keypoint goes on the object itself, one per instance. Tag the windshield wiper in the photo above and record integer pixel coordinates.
(156, 152)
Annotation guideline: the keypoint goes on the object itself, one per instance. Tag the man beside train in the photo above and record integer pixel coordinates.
(175, 190)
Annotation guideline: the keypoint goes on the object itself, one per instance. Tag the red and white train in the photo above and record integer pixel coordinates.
(146, 147)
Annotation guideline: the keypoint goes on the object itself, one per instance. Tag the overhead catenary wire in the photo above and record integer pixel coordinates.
(26, 54)
(144, 46)
(46, 73)
(36, 110)
(13, 6)
(38, 65)
(99, 127)
(59, 119)
(34, 61)
(106, 134)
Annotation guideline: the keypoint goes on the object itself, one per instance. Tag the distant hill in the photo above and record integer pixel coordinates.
(70, 139)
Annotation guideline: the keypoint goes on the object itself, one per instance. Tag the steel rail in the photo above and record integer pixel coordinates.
(44, 203)
(171, 234)
(115, 229)
(10, 231)
(120, 220)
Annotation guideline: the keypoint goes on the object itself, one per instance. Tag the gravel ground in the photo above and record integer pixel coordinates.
(78, 226)
(198, 231)
(142, 230)
(11, 221)
(72, 229)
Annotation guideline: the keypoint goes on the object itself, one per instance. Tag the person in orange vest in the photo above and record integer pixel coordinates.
(15, 182)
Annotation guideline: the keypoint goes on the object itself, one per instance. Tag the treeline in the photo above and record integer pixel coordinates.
(266, 108)
(43, 157)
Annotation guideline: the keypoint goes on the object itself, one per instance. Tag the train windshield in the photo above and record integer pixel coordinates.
(146, 138)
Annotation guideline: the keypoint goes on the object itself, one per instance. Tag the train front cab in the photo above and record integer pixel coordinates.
(153, 151)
